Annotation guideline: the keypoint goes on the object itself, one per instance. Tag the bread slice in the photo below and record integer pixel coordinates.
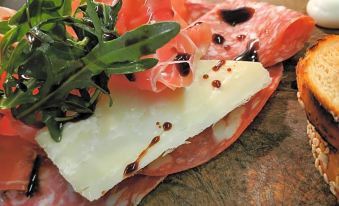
(318, 85)
(320, 71)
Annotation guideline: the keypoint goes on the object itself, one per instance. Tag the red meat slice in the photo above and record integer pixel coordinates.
(281, 32)
(16, 160)
(217, 138)
(55, 191)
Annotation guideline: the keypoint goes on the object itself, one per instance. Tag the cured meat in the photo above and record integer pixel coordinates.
(166, 74)
(9, 126)
(16, 160)
(54, 190)
(215, 139)
(281, 32)
(193, 42)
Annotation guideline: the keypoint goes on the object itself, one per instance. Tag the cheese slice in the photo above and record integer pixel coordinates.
(94, 153)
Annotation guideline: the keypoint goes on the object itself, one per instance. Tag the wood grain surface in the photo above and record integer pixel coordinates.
(270, 164)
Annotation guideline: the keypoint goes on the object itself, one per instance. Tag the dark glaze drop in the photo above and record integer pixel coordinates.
(219, 65)
(131, 77)
(227, 47)
(241, 37)
(236, 16)
(229, 69)
(218, 39)
(131, 168)
(154, 141)
(34, 178)
(20, 85)
(108, 36)
(184, 68)
(167, 126)
(134, 166)
(251, 52)
(205, 76)
(216, 84)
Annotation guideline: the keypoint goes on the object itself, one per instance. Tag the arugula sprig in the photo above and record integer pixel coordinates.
(53, 77)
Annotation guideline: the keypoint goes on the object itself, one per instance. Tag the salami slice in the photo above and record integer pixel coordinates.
(55, 191)
(217, 138)
(281, 32)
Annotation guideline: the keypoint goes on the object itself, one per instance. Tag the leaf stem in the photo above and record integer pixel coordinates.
(38, 104)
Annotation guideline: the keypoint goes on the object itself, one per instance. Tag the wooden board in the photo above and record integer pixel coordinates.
(271, 163)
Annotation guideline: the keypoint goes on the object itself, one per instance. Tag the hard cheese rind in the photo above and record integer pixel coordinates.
(94, 153)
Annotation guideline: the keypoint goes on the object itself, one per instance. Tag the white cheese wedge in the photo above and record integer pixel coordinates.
(94, 153)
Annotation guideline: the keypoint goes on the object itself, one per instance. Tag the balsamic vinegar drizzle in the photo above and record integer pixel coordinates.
(108, 36)
(241, 37)
(216, 84)
(130, 168)
(167, 126)
(219, 65)
(227, 47)
(251, 52)
(218, 39)
(34, 178)
(131, 77)
(236, 16)
(20, 85)
(184, 68)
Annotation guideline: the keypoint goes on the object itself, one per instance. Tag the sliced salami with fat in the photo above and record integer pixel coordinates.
(217, 138)
(281, 32)
(53, 190)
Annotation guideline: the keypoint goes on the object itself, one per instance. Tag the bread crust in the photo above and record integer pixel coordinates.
(323, 126)
(326, 160)
(303, 76)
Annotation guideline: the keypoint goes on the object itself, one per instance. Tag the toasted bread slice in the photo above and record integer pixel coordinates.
(318, 85)
(319, 69)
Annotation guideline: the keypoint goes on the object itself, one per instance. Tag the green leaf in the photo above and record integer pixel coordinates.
(131, 46)
(4, 27)
(109, 14)
(15, 34)
(54, 127)
(132, 67)
(92, 14)
(19, 96)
